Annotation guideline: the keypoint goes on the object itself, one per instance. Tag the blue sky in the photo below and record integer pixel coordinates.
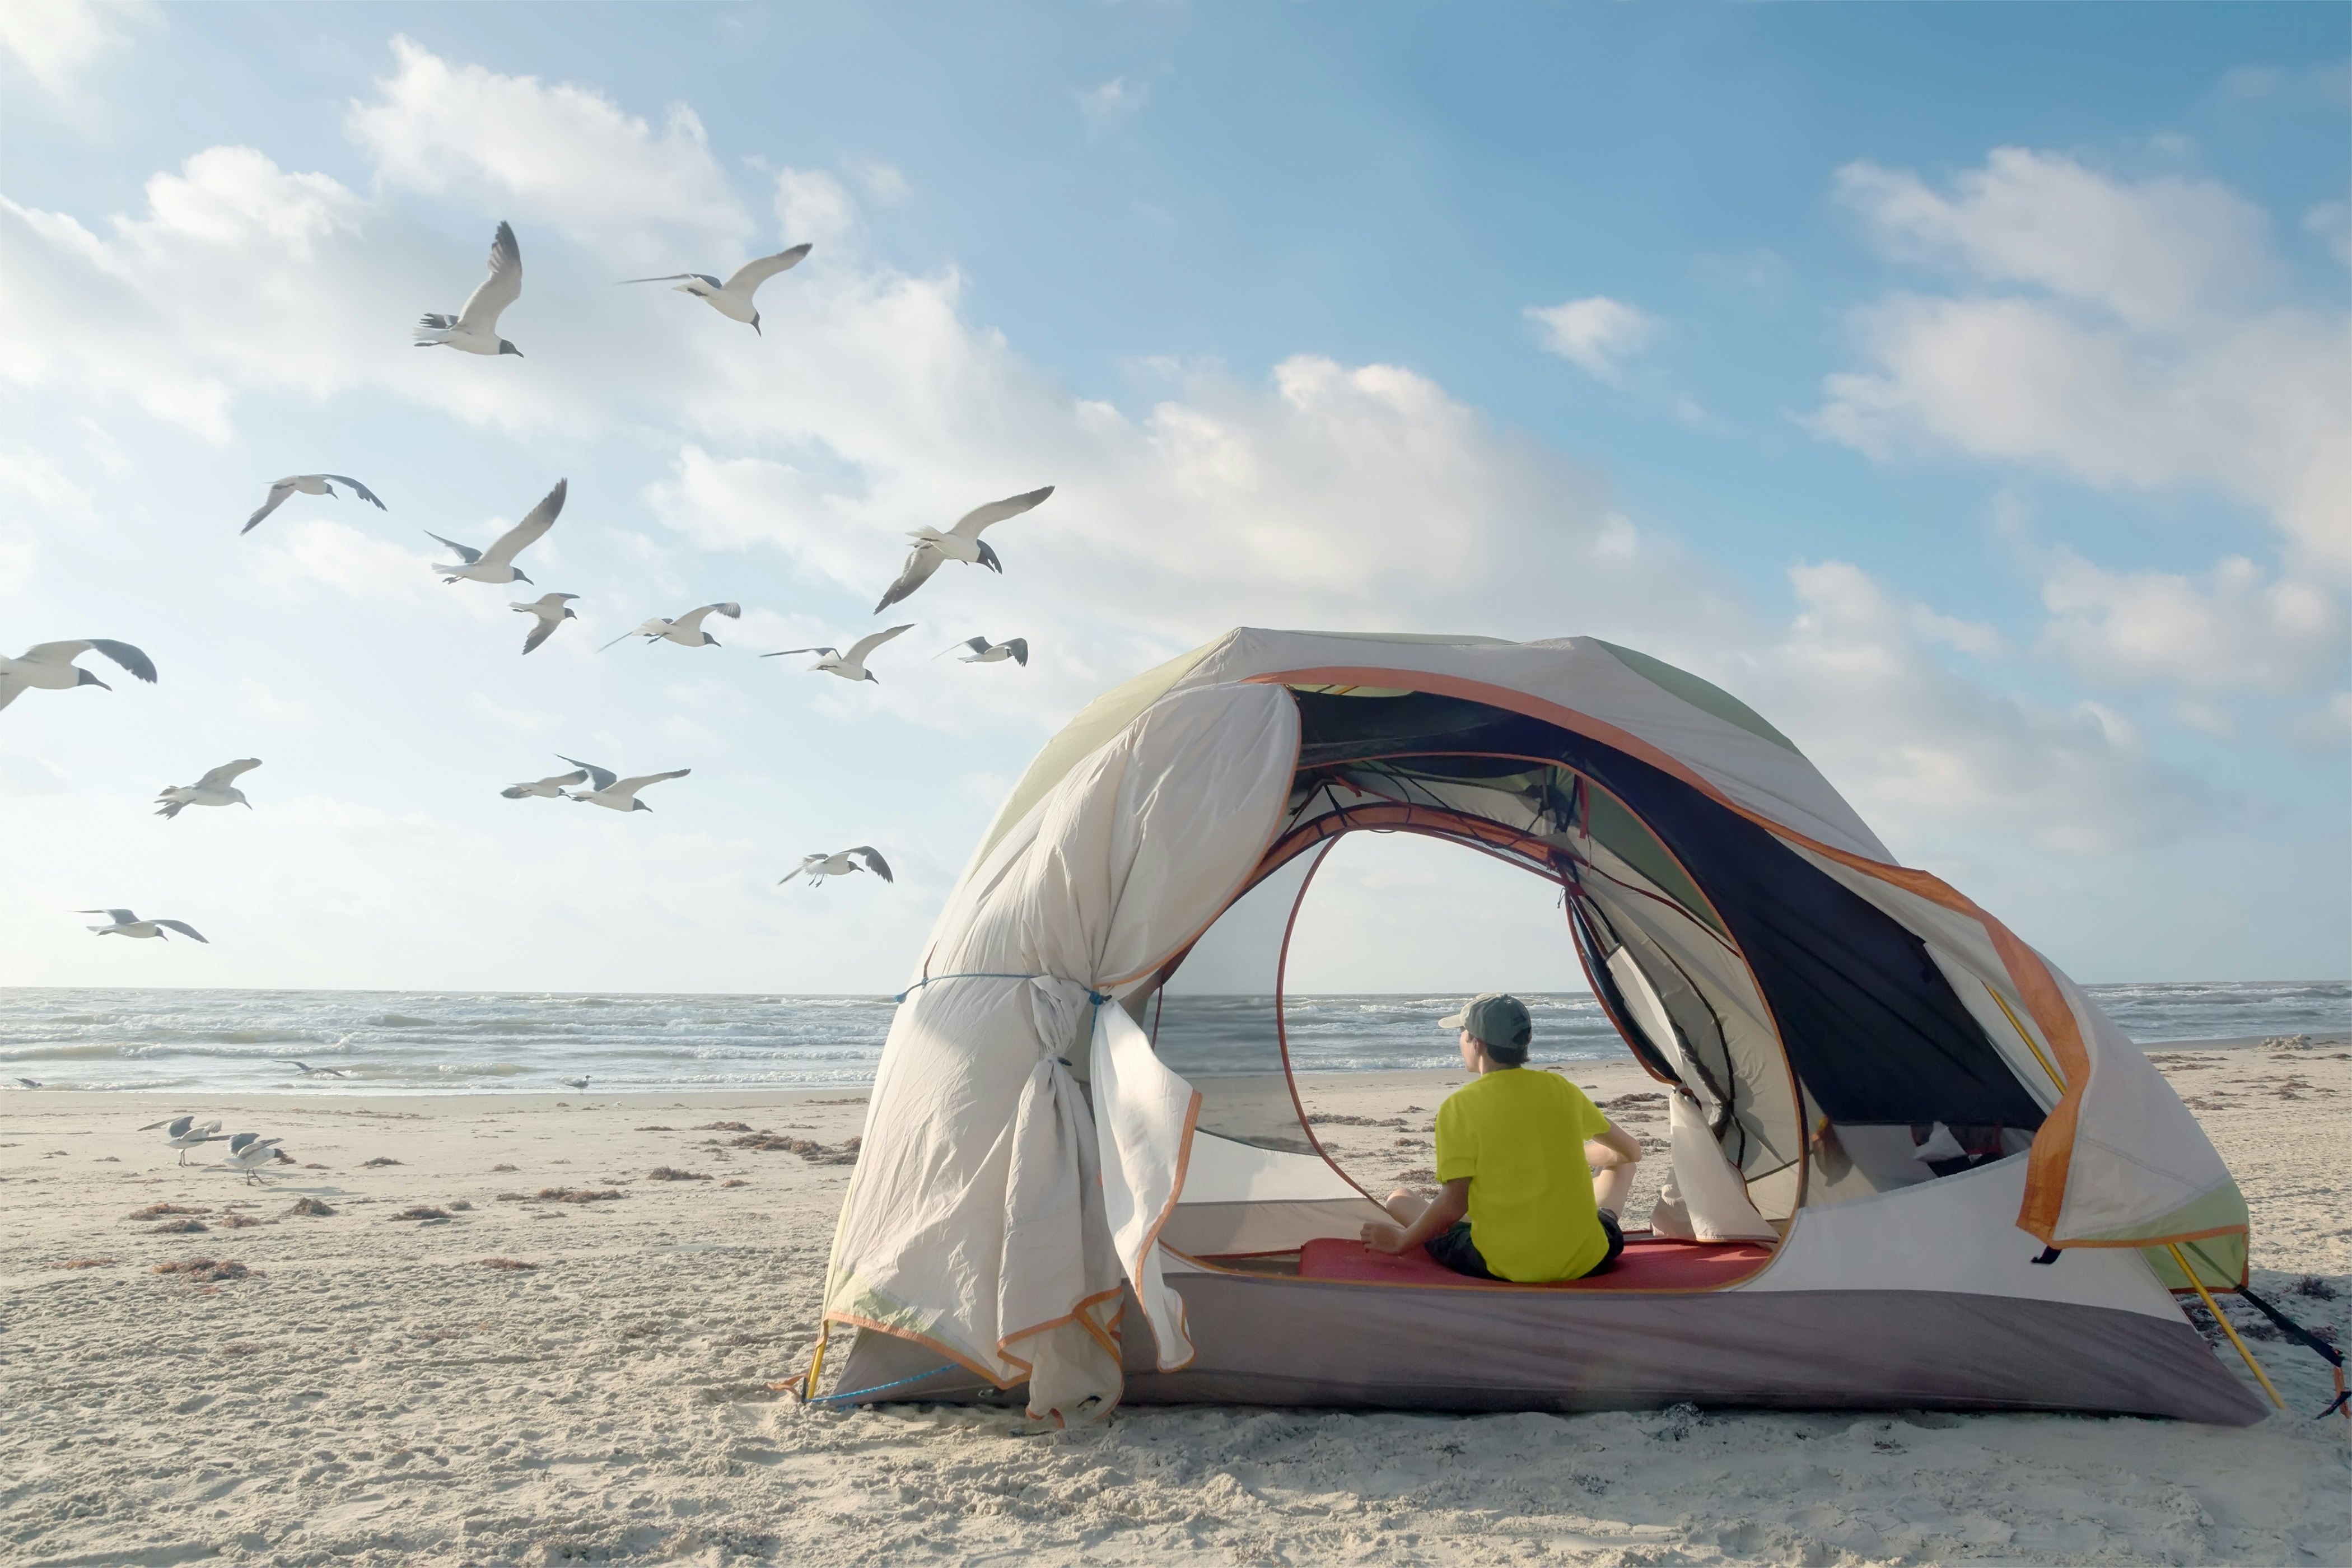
(1966, 387)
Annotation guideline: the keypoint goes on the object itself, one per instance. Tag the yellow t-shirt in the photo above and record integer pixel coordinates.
(1519, 1133)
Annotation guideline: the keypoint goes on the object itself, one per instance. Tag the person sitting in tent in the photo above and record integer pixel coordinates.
(1516, 1151)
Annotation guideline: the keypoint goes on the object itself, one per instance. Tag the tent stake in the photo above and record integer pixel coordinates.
(2211, 1306)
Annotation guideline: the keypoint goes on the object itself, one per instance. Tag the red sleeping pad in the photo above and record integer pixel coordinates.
(1644, 1265)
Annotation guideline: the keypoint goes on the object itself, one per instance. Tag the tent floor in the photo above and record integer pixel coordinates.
(1646, 1263)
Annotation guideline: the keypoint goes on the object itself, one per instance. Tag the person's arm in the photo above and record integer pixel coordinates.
(1452, 1202)
(1612, 1155)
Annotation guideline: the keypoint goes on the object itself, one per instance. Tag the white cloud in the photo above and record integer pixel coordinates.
(812, 205)
(529, 722)
(1936, 761)
(262, 706)
(884, 183)
(54, 41)
(1597, 334)
(2332, 222)
(566, 153)
(2238, 627)
(2152, 360)
(1112, 104)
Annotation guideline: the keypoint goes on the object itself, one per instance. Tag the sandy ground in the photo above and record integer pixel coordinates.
(532, 1380)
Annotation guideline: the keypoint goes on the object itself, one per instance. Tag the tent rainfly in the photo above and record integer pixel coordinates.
(1913, 1165)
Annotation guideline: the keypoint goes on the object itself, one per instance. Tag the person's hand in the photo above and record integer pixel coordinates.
(1388, 1238)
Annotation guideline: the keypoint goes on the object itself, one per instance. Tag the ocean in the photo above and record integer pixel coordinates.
(411, 1042)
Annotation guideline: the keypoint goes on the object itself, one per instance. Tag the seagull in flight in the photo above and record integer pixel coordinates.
(129, 924)
(213, 789)
(963, 542)
(248, 1151)
(309, 485)
(495, 564)
(817, 868)
(547, 788)
(29, 1083)
(732, 299)
(183, 1133)
(49, 667)
(306, 1070)
(685, 631)
(476, 328)
(850, 666)
(986, 652)
(614, 793)
(552, 610)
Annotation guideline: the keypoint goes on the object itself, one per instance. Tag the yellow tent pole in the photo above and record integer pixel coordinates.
(2206, 1296)
(816, 1361)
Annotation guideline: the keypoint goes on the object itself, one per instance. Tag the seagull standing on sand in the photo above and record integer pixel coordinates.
(495, 564)
(617, 793)
(213, 789)
(183, 1133)
(128, 925)
(817, 868)
(986, 652)
(685, 631)
(476, 328)
(309, 485)
(550, 788)
(963, 542)
(306, 1070)
(552, 610)
(248, 1151)
(49, 667)
(732, 299)
(850, 666)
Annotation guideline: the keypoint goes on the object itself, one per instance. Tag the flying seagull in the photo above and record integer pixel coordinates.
(129, 924)
(615, 793)
(495, 564)
(986, 652)
(213, 789)
(476, 328)
(850, 666)
(685, 631)
(309, 485)
(817, 868)
(732, 299)
(547, 788)
(183, 1133)
(29, 1083)
(248, 1151)
(307, 1070)
(49, 667)
(552, 610)
(963, 542)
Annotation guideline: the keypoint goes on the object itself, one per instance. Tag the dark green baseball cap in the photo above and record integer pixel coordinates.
(1496, 1018)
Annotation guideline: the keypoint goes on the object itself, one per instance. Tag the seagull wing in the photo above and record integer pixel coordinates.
(631, 786)
(677, 278)
(921, 562)
(873, 862)
(751, 274)
(129, 657)
(358, 488)
(541, 629)
(502, 287)
(600, 777)
(865, 645)
(536, 521)
(278, 494)
(465, 553)
(239, 1140)
(120, 917)
(692, 619)
(781, 652)
(184, 928)
(227, 771)
(808, 863)
(1019, 648)
(969, 524)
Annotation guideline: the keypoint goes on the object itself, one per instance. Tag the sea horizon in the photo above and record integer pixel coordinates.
(221, 1040)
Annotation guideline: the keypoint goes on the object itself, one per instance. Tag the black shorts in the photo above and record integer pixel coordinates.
(1452, 1247)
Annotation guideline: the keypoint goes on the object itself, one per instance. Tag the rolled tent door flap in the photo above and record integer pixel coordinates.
(975, 1222)
(1144, 1118)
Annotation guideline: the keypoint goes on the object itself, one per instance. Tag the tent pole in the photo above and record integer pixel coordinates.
(816, 1360)
(2211, 1306)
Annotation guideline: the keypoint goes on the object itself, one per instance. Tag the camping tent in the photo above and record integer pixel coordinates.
(1915, 1165)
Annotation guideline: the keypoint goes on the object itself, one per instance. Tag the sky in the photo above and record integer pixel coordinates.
(1965, 388)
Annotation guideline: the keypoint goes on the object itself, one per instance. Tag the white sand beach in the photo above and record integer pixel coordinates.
(464, 1363)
